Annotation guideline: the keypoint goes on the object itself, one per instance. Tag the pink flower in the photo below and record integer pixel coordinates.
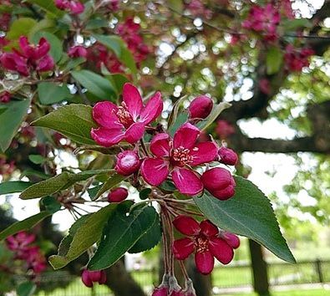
(77, 51)
(72, 6)
(263, 20)
(91, 277)
(197, 9)
(297, 59)
(4, 21)
(200, 107)
(117, 195)
(227, 156)
(224, 129)
(177, 157)
(20, 241)
(127, 121)
(114, 5)
(231, 239)
(30, 57)
(203, 240)
(5, 97)
(35, 259)
(219, 182)
(128, 162)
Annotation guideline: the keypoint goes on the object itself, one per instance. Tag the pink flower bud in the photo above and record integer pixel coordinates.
(128, 162)
(200, 107)
(219, 182)
(160, 291)
(90, 277)
(231, 239)
(117, 195)
(227, 156)
(5, 97)
(77, 51)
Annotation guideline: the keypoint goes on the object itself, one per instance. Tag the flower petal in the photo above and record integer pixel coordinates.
(221, 250)
(204, 262)
(135, 132)
(107, 137)
(154, 171)
(187, 181)
(208, 228)
(153, 108)
(133, 100)
(160, 145)
(182, 248)
(203, 153)
(231, 239)
(186, 136)
(104, 113)
(186, 225)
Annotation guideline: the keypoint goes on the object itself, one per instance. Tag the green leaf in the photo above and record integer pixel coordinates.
(10, 121)
(37, 158)
(58, 183)
(24, 225)
(26, 289)
(51, 204)
(177, 5)
(118, 46)
(112, 182)
(175, 111)
(120, 234)
(274, 60)
(144, 194)
(180, 120)
(56, 48)
(48, 6)
(216, 111)
(248, 213)
(51, 93)
(293, 25)
(20, 27)
(88, 233)
(96, 84)
(13, 187)
(74, 121)
(148, 240)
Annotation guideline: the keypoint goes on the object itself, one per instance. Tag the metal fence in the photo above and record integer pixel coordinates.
(232, 276)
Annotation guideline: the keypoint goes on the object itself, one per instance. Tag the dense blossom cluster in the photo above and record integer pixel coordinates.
(28, 58)
(296, 59)
(31, 255)
(72, 6)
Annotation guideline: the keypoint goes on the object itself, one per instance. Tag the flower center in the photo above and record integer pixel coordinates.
(124, 116)
(181, 156)
(202, 244)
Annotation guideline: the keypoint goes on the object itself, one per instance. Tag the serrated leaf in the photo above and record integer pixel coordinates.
(13, 187)
(120, 234)
(86, 235)
(50, 93)
(37, 158)
(51, 204)
(112, 182)
(74, 121)
(248, 213)
(274, 60)
(24, 225)
(48, 6)
(216, 111)
(10, 121)
(148, 240)
(96, 84)
(58, 183)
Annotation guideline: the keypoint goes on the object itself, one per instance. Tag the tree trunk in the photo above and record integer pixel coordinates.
(259, 268)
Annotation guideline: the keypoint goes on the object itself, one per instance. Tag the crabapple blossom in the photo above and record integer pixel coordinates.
(219, 182)
(117, 195)
(72, 6)
(90, 277)
(224, 129)
(128, 162)
(227, 156)
(203, 240)
(5, 97)
(231, 239)
(77, 51)
(126, 122)
(200, 107)
(297, 59)
(177, 156)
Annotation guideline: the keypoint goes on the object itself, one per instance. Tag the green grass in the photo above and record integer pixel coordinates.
(319, 292)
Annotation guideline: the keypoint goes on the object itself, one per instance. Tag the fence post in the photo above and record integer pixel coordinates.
(318, 265)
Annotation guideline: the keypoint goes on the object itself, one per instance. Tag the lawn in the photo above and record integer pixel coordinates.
(319, 292)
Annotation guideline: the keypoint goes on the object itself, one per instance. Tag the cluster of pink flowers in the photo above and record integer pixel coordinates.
(198, 9)
(206, 241)
(6, 168)
(29, 58)
(31, 255)
(263, 20)
(296, 59)
(72, 6)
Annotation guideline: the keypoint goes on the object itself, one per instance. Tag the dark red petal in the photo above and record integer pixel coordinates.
(208, 228)
(204, 262)
(187, 225)
(154, 171)
(133, 100)
(104, 113)
(153, 109)
(186, 136)
(187, 181)
(182, 248)
(135, 132)
(221, 250)
(203, 153)
(107, 137)
(160, 145)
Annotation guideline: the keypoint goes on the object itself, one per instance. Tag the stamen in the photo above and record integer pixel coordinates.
(182, 156)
